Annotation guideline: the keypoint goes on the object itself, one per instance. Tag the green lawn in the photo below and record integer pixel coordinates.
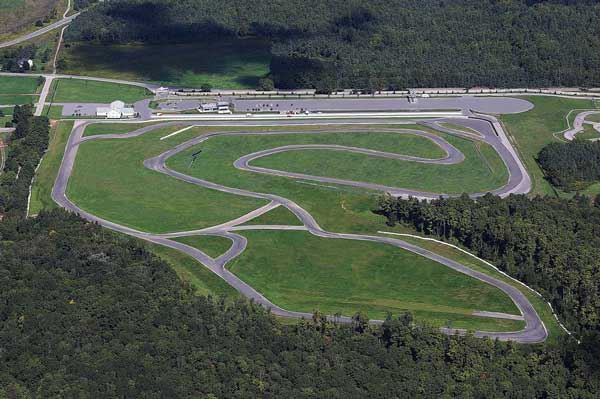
(213, 246)
(7, 111)
(87, 91)
(302, 272)
(541, 306)
(113, 128)
(472, 175)
(44, 179)
(189, 270)
(18, 85)
(109, 180)
(337, 208)
(53, 112)
(232, 64)
(17, 99)
(534, 129)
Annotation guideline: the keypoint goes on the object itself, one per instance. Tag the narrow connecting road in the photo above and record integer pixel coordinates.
(65, 21)
(533, 332)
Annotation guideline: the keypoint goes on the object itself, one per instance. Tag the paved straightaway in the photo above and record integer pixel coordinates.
(533, 332)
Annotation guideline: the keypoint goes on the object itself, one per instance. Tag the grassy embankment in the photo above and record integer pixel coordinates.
(234, 64)
(41, 189)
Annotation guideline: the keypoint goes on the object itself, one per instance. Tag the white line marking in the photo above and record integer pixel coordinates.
(177, 132)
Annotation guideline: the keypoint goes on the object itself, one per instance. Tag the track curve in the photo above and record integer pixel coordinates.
(533, 332)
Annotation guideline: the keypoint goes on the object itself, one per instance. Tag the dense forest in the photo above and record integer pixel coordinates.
(26, 147)
(551, 244)
(379, 44)
(571, 166)
(86, 313)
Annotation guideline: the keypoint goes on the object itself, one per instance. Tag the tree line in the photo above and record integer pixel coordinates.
(571, 166)
(378, 44)
(88, 313)
(26, 146)
(551, 244)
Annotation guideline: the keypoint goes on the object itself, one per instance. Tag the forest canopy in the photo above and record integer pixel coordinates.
(90, 314)
(551, 244)
(571, 166)
(379, 44)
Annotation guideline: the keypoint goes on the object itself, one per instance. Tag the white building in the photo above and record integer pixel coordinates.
(220, 107)
(116, 110)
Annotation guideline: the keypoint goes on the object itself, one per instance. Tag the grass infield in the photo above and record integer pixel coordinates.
(299, 271)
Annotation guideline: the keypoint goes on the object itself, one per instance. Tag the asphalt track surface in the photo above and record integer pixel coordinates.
(578, 124)
(534, 330)
(490, 105)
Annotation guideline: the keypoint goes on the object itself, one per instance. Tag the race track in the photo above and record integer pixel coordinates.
(488, 132)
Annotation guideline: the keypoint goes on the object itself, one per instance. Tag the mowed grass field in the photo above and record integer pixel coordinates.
(113, 128)
(17, 90)
(226, 64)
(533, 130)
(467, 176)
(301, 272)
(336, 208)
(110, 180)
(86, 91)
(7, 111)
